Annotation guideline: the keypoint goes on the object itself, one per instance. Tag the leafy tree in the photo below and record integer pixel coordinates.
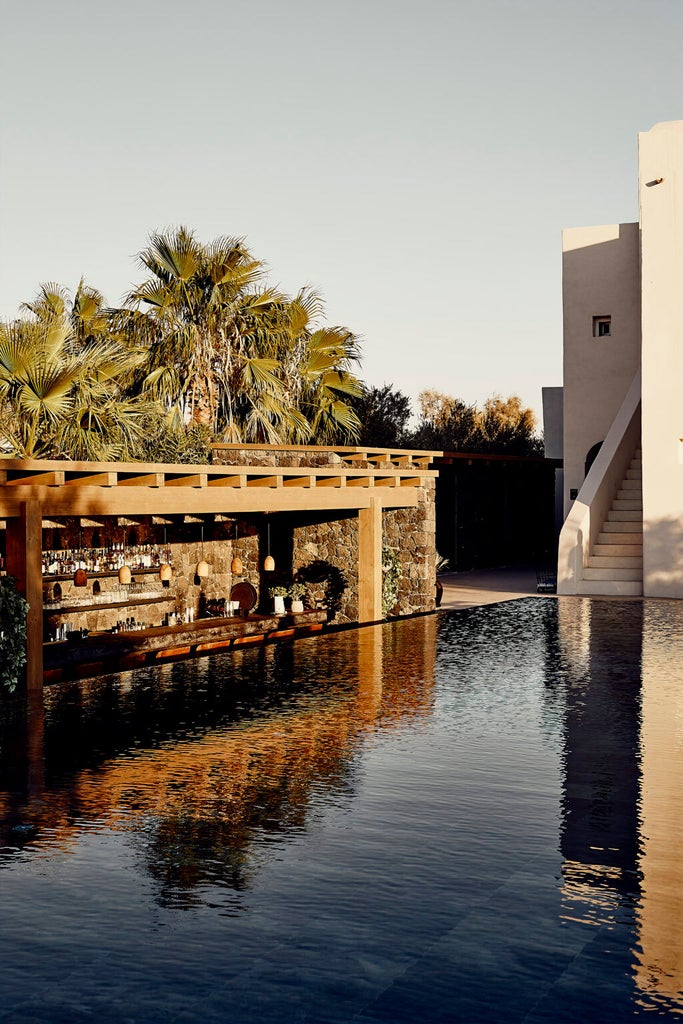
(384, 414)
(508, 426)
(502, 426)
(447, 423)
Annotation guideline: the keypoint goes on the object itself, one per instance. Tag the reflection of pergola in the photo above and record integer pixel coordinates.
(364, 481)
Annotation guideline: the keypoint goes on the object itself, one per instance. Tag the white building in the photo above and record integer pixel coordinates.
(623, 390)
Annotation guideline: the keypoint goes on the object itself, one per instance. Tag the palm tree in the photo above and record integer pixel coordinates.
(64, 397)
(229, 351)
(317, 363)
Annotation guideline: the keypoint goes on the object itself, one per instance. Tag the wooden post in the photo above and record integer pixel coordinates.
(370, 562)
(24, 550)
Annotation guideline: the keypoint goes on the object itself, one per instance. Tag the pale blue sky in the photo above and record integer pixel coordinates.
(414, 161)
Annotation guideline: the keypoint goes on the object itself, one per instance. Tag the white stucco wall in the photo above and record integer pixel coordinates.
(553, 447)
(600, 277)
(661, 215)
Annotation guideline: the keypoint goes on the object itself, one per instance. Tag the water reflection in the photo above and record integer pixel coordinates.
(206, 763)
(622, 831)
(659, 953)
(507, 780)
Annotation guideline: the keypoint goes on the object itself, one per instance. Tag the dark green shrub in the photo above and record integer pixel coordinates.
(13, 609)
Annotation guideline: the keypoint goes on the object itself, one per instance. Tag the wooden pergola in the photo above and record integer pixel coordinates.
(361, 480)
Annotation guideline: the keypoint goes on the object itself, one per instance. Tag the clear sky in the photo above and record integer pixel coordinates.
(415, 161)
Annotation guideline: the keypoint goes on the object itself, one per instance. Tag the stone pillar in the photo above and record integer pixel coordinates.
(370, 562)
(24, 550)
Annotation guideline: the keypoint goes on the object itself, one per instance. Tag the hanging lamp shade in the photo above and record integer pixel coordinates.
(124, 575)
(80, 578)
(268, 561)
(165, 573)
(202, 569)
(236, 567)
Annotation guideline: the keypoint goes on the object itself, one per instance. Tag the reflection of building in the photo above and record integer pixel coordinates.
(622, 831)
(199, 802)
(599, 839)
(623, 366)
(659, 954)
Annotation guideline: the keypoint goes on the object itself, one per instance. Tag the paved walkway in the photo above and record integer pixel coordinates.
(488, 586)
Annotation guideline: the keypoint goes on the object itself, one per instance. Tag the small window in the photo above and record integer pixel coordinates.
(602, 326)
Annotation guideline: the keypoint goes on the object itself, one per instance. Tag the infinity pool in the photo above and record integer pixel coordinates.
(473, 817)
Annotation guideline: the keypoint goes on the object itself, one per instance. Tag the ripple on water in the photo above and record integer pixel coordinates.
(463, 817)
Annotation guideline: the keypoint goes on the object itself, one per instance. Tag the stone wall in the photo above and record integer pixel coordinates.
(324, 548)
(410, 533)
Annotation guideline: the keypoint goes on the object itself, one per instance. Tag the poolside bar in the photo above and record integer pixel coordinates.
(147, 550)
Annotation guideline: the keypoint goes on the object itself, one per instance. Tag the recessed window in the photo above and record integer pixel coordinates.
(602, 326)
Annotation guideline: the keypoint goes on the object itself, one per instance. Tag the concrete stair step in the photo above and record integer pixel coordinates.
(633, 542)
(610, 588)
(625, 516)
(612, 574)
(627, 505)
(598, 560)
(624, 530)
(634, 474)
(617, 551)
(629, 496)
(631, 485)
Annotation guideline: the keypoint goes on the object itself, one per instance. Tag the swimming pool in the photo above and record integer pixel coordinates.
(470, 817)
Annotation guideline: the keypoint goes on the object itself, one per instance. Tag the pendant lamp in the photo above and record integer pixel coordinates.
(124, 575)
(269, 561)
(202, 566)
(236, 567)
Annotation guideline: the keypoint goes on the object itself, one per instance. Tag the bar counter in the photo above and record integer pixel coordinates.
(100, 653)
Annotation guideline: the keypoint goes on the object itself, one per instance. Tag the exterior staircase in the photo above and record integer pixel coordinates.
(615, 564)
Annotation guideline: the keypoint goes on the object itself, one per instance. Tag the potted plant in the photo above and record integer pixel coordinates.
(278, 595)
(296, 592)
(441, 566)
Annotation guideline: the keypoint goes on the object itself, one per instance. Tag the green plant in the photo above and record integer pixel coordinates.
(441, 563)
(391, 574)
(278, 591)
(297, 591)
(13, 609)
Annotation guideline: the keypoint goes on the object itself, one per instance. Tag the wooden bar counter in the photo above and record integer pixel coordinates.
(104, 652)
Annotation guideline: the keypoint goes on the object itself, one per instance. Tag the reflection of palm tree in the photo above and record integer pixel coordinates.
(283, 728)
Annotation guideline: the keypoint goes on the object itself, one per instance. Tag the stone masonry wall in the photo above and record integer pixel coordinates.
(320, 540)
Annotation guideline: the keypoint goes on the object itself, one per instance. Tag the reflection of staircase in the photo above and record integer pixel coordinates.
(615, 564)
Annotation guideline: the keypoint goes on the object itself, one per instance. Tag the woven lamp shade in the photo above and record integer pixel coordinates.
(124, 574)
(165, 573)
(236, 567)
(202, 569)
(269, 564)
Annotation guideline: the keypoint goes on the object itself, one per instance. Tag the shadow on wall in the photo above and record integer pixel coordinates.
(663, 549)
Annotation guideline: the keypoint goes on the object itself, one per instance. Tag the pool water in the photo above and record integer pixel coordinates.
(472, 817)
